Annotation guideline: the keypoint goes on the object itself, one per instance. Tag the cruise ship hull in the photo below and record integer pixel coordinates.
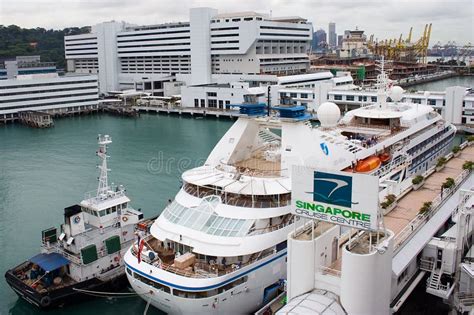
(244, 298)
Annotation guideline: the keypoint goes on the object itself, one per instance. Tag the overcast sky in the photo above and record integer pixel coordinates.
(452, 19)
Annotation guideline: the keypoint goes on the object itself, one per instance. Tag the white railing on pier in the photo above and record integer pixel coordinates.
(412, 227)
(426, 264)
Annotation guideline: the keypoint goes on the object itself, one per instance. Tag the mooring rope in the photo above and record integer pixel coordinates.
(119, 295)
(107, 294)
(147, 306)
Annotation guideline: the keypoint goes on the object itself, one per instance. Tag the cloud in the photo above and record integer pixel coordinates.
(452, 20)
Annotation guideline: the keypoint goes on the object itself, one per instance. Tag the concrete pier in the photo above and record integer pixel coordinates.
(36, 119)
(189, 111)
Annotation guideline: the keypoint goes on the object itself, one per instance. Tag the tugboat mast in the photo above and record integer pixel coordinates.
(103, 187)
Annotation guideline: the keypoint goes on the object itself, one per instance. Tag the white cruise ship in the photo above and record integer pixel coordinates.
(220, 246)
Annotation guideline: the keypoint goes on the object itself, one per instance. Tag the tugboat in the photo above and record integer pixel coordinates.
(86, 254)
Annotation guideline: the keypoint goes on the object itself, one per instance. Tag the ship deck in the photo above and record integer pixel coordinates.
(408, 207)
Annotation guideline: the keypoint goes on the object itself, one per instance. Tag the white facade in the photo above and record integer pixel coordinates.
(456, 104)
(354, 45)
(201, 50)
(219, 96)
(143, 57)
(311, 93)
(234, 92)
(47, 93)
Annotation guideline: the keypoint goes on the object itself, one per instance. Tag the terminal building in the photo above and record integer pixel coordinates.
(47, 93)
(209, 48)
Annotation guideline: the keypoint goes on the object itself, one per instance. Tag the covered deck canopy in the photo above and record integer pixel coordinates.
(49, 262)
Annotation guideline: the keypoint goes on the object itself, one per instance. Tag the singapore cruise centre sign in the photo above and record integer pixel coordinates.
(344, 198)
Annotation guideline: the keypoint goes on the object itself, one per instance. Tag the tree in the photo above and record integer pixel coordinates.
(49, 44)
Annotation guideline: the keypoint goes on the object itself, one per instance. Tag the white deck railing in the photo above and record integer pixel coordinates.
(419, 220)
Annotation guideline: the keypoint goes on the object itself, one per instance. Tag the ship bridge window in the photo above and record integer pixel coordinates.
(90, 211)
(112, 209)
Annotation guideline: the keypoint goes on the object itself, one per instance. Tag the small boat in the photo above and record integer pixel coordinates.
(385, 157)
(368, 164)
(86, 254)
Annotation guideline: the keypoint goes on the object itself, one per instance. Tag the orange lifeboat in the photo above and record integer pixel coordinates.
(368, 164)
(385, 157)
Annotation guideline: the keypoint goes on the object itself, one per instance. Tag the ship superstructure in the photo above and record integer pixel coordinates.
(220, 245)
(87, 251)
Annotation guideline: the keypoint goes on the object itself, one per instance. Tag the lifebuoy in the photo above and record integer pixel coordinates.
(124, 219)
(45, 301)
(116, 258)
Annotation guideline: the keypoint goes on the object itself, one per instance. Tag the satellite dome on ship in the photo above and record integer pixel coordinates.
(328, 114)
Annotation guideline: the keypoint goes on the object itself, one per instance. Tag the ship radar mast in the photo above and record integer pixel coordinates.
(103, 141)
(383, 85)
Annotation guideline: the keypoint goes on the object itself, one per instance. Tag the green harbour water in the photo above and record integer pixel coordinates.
(44, 171)
(467, 81)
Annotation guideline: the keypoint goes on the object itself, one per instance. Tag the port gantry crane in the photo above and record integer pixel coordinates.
(402, 50)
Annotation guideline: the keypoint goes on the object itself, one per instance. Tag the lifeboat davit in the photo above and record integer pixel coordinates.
(385, 157)
(369, 164)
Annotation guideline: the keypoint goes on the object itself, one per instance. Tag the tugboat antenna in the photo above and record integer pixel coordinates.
(102, 153)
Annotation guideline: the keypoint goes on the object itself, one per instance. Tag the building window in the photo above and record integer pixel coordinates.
(432, 102)
(212, 103)
(417, 101)
(227, 104)
(196, 102)
(211, 94)
(338, 97)
(221, 104)
(349, 97)
(293, 95)
(203, 103)
(304, 95)
(373, 98)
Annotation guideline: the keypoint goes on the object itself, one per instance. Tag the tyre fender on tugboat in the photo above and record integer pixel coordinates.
(45, 301)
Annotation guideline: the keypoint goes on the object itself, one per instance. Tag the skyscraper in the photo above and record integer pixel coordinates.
(339, 41)
(319, 39)
(332, 34)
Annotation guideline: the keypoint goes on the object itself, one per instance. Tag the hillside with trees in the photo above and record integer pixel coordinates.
(49, 44)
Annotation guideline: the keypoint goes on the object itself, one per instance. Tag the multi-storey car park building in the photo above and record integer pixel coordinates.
(47, 93)
(209, 48)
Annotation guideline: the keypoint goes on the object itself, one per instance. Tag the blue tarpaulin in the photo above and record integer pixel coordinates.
(49, 262)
